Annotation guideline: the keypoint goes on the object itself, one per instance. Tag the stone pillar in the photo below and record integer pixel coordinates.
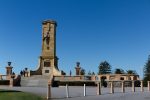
(29, 73)
(108, 77)
(98, 88)
(11, 82)
(148, 85)
(84, 90)
(78, 68)
(142, 86)
(111, 87)
(132, 77)
(0, 77)
(93, 78)
(49, 90)
(123, 88)
(133, 87)
(26, 74)
(9, 69)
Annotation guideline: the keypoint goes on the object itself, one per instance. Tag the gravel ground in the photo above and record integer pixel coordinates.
(76, 93)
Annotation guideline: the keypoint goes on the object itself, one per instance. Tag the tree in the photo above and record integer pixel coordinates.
(119, 71)
(147, 71)
(131, 72)
(89, 73)
(104, 68)
(82, 71)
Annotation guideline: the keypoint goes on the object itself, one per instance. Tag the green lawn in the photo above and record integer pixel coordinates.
(17, 95)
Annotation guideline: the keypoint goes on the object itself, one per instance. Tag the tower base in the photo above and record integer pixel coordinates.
(47, 71)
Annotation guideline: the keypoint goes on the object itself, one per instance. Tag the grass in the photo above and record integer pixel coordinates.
(17, 95)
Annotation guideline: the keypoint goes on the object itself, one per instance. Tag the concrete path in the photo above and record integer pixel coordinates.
(76, 93)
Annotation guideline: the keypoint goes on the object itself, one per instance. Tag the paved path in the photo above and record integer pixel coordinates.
(76, 93)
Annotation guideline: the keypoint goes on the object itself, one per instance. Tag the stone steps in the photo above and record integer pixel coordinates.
(34, 81)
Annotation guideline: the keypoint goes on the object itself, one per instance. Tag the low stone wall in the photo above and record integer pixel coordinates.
(78, 80)
(4, 82)
(137, 83)
(11, 80)
(76, 83)
(75, 78)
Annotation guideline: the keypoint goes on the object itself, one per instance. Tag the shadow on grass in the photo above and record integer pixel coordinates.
(18, 95)
(9, 91)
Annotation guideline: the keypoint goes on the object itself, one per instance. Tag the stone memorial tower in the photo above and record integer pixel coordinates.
(48, 61)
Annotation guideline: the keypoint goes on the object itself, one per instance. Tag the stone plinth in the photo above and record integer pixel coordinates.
(9, 69)
(1, 77)
(78, 68)
(26, 74)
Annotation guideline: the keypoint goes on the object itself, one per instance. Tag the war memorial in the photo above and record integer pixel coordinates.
(48, 75)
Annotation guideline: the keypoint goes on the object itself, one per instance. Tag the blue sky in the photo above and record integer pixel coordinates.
(89, 31)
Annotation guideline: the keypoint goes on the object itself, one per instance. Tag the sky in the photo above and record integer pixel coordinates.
(88, 31)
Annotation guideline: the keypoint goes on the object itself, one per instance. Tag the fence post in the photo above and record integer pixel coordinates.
(133, 87)
(67, 91)
(49, 90)
(142, 86)
(111, 87)
(123, 88)
(84, 90)
(148, 85)
(98, 88)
